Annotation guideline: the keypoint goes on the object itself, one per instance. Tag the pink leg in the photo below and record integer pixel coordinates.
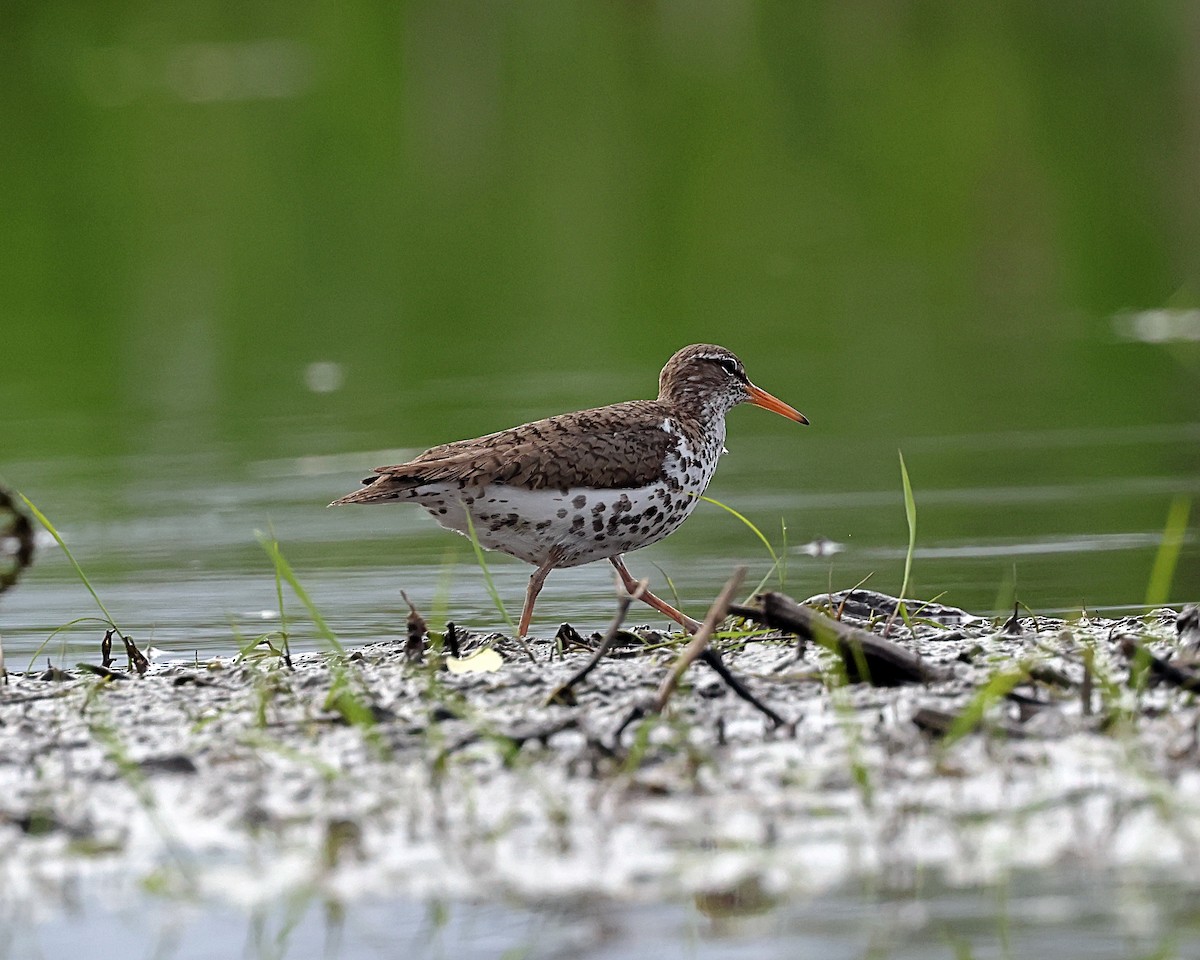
(531, 592)
(630, 584)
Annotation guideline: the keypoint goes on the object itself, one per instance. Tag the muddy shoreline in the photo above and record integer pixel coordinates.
(378, 770)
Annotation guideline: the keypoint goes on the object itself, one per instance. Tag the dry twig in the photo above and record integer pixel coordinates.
(414, 644)
(562, 693)
(698, 643)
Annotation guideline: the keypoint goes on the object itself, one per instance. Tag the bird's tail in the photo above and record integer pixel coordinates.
(380, 489)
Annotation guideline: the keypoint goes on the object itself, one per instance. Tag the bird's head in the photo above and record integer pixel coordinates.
(713, 379)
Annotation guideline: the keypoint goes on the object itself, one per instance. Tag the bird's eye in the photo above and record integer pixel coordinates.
(729, 366)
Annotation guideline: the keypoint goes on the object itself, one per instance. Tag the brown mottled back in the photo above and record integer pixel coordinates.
(619, 446)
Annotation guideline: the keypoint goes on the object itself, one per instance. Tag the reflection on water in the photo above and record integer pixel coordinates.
(976, 551)
(1159, 326)
(1065, 916)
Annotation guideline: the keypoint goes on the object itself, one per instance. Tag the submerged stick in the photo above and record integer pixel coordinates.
(562, 693)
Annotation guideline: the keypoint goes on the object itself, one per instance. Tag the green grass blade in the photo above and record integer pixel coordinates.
(346, 695)
(487, 574)
(778, 561)
(1006, 593)
(783, 553)
(676, 602)
(62, 628)
(439, 608)
(758, 533)
(284, 570)
(763, 582)
(910, 512)
(44, 521)
(1158, 590)
(998, 685)
(279, 589)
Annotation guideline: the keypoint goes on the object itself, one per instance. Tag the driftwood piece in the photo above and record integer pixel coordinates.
(862, 604)
(866, 657)
(1161, 669)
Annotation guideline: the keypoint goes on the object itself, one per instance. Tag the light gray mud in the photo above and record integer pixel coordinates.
(246, 779)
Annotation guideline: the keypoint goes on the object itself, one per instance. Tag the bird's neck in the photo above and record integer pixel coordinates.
(703, 423)
(698, 404)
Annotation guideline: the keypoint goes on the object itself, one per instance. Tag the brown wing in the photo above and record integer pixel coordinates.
(622, 446)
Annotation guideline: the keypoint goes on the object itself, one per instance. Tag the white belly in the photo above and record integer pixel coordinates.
(577, 526)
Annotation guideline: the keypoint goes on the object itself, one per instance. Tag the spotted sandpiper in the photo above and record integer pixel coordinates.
(590, 485)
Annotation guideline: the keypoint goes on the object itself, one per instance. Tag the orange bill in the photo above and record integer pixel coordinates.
(760, 398)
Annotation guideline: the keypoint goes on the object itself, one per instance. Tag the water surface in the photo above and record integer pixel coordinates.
(170, 543)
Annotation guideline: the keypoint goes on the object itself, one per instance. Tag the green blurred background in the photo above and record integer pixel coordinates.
(237, 234)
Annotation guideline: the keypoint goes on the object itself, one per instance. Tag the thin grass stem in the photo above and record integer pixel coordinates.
(910, 513)
(487, 574)
(678, 604)
(1158, 589)
(45, 522)
(284, 569)
(749, 523)
(62, 628)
